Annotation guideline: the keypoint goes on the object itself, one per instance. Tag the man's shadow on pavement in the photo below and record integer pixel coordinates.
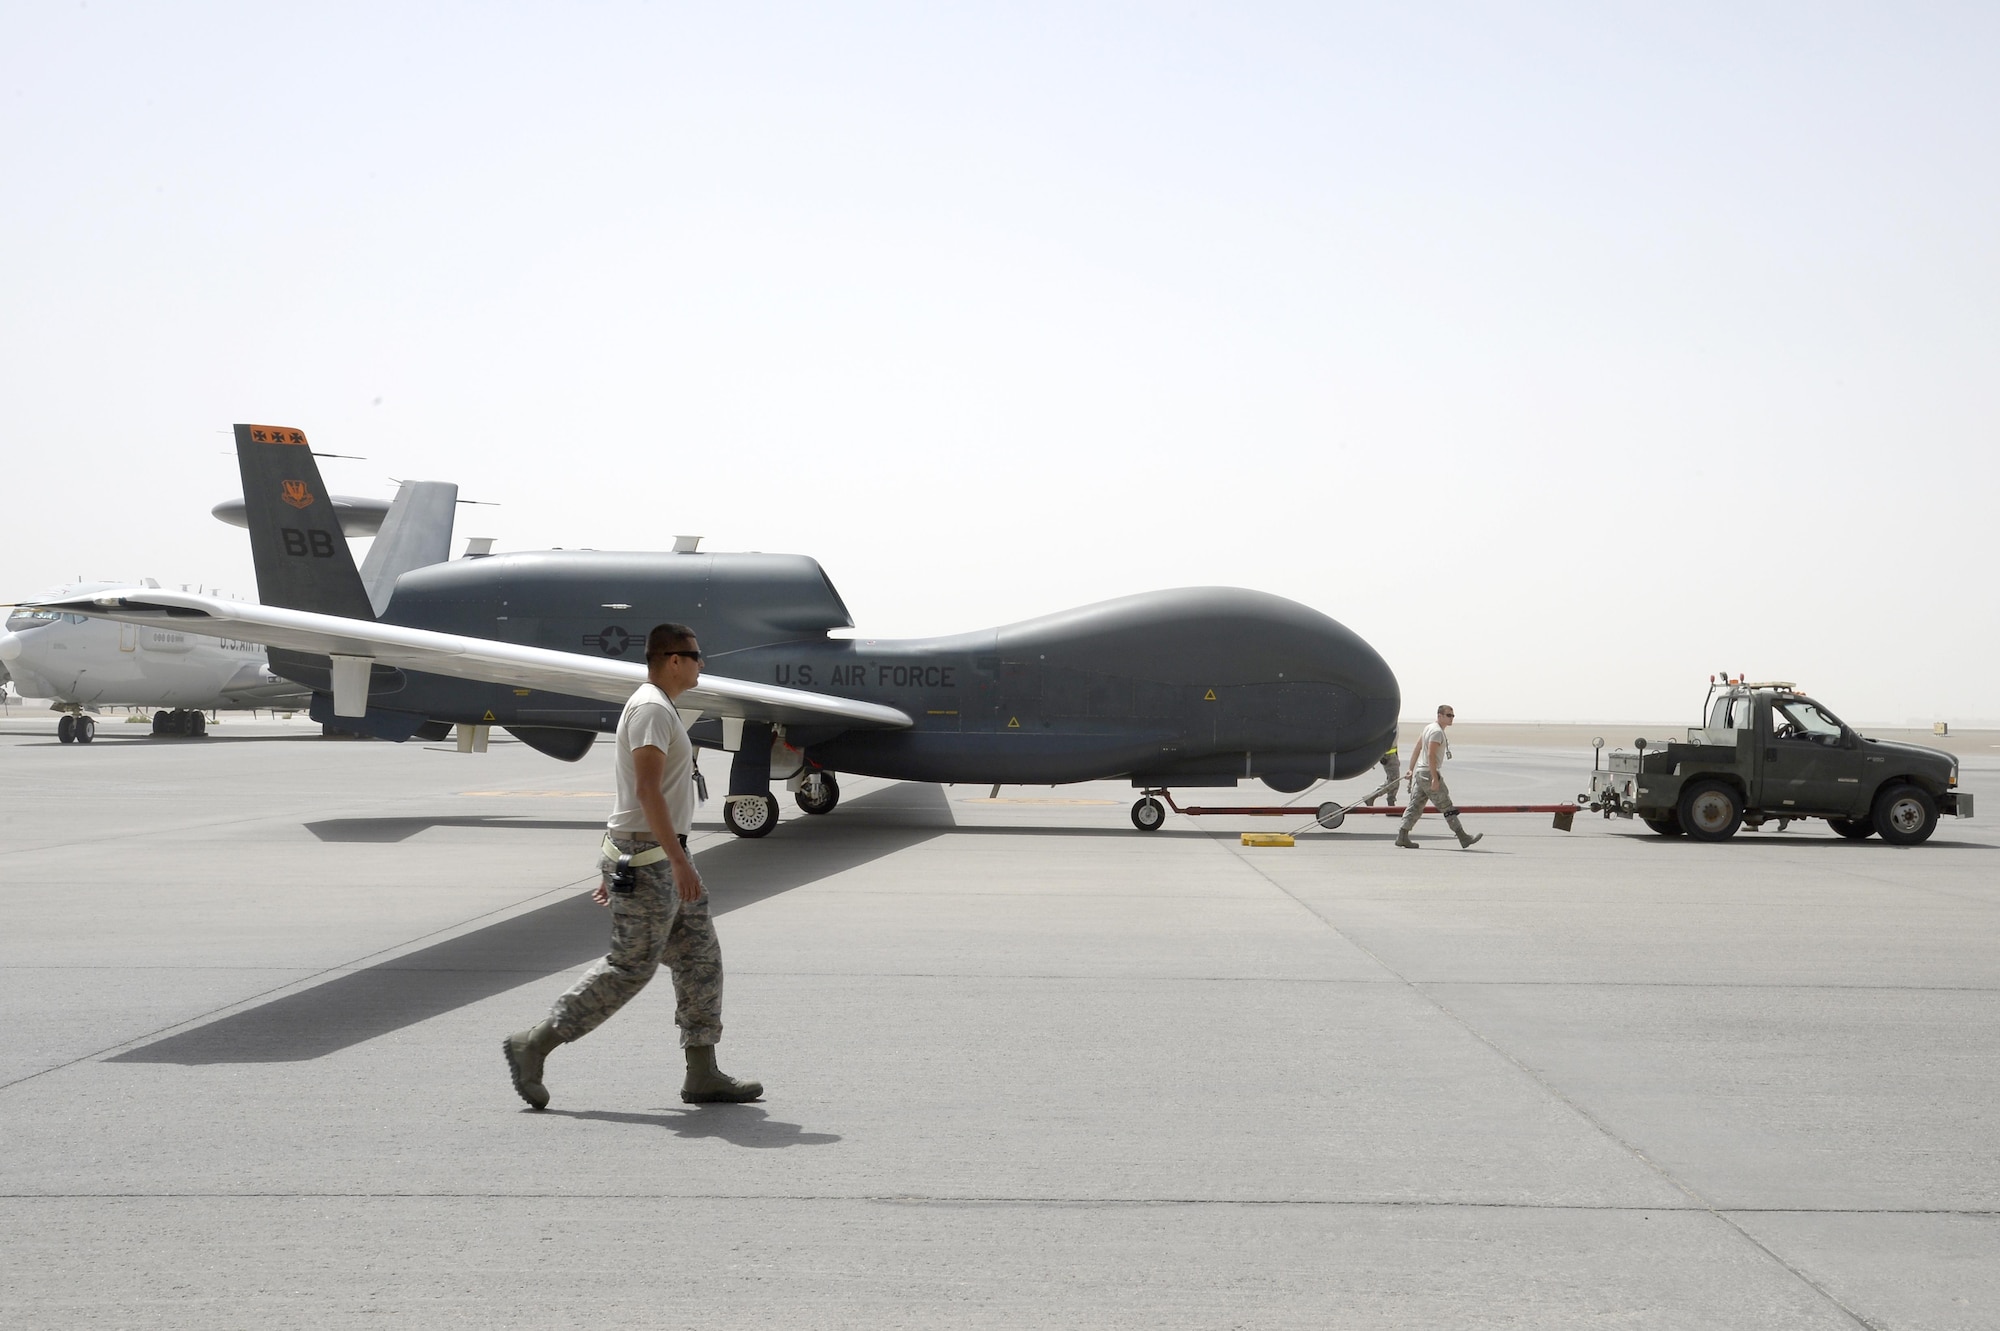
(739, 1125)
(571, 931)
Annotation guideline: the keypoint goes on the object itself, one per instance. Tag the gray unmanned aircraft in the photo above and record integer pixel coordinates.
(1200, 686)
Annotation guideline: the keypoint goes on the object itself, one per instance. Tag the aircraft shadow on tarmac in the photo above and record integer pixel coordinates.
(385, 831)
(559, 937)
(739, 1125)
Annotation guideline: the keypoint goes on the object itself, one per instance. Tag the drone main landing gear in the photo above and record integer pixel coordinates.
(750, 809)
(750, 815)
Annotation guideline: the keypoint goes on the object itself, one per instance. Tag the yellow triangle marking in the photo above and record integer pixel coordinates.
(1013, 723)
(489, 715)
(1209, 696)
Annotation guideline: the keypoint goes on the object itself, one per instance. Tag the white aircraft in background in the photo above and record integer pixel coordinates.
(81, 664)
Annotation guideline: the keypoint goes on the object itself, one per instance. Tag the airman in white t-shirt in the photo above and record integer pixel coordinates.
(1426, 783)
(659, 910)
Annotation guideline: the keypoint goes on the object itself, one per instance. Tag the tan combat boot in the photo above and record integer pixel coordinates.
(707, 1084)
(526, 1051)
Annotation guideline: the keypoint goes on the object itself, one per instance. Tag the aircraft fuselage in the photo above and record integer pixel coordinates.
(1195, 686)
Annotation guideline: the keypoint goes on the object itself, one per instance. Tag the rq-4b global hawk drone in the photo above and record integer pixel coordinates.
(1198, 686)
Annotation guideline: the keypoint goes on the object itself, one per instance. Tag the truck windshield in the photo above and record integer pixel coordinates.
(1802, 718)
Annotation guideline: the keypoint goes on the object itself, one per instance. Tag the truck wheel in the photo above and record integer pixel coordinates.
(1854, 829)
(1905, 815)
(1667, 826)
(1711, 811)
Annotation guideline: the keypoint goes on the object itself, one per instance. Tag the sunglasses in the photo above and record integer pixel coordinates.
(693, 656)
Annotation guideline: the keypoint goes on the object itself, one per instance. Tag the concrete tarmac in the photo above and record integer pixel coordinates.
(1026, 1066)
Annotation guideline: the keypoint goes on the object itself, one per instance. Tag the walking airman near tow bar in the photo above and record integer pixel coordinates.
(659, 910)
(1426, 783)
(1392, 772)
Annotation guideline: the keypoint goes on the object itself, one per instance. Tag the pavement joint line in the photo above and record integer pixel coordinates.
(290, 984)
(946, 1199)
(1032, 977)
(1667, 1175)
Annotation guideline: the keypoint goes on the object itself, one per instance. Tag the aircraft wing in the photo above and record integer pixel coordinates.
(366, 642)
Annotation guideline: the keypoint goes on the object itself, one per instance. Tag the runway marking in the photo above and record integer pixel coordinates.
(539, 794)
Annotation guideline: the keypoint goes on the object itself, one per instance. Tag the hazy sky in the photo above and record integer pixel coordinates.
(1566, 353)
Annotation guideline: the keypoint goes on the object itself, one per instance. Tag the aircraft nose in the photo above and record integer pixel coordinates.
(10, 646)
(1363, 672)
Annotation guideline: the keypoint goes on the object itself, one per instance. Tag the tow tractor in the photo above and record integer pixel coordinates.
(1766, 752)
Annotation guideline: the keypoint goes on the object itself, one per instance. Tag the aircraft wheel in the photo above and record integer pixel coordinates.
(1667, 826)
(1711, 811)
(1148, 813)
(1854, 829)
(86, 731)
(1331, 815)
(819, 793)
(1905, 815)
(66, 729)
(750, 815)
(197, 724)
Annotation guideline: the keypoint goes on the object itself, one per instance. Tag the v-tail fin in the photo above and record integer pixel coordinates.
(416, 534)
(301, 554)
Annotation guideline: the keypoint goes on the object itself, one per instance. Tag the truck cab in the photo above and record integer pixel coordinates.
(1767, 751)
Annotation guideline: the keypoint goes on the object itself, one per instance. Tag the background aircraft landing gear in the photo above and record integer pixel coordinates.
(1148, 813)
(818, 793)
(750, 815)
(189, 724)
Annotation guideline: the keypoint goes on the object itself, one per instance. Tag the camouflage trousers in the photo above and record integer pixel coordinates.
(1422, 794)
(1392, 771)
(650, 925)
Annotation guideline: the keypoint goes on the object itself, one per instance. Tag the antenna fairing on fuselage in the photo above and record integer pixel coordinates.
(559, 598)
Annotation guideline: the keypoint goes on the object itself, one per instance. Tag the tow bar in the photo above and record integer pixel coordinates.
(1331, 815)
